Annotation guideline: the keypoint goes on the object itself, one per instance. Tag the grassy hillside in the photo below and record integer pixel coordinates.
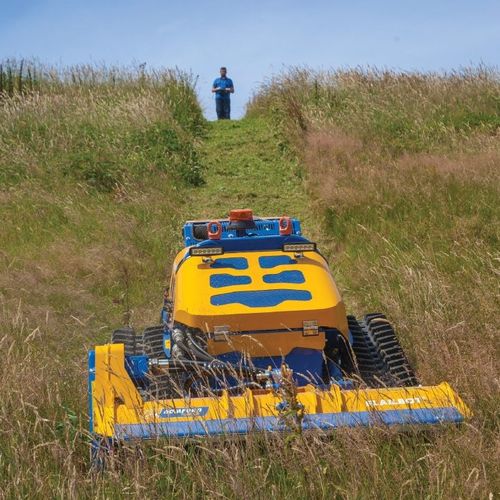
(404, 170)
(94, 167)
(100, 167)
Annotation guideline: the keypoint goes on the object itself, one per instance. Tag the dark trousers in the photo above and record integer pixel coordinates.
(223, 109)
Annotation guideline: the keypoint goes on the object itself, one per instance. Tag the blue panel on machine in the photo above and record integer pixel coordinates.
(137, 366)
(285, 277)
(222, 280)
(260, 298)
(230, 263)
(324, 421)
(307, 364)
(270, 261)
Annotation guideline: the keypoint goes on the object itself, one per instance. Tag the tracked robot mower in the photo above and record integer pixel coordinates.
(254, 336)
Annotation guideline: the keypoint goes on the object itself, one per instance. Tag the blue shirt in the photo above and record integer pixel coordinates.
(223, 83)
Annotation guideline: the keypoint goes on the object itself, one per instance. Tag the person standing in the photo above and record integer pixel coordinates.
(223, 88)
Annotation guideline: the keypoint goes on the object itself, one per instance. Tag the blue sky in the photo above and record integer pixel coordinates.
(253, 38)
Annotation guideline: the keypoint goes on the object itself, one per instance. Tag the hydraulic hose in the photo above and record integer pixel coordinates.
(213, 364)
(196, 347)
(202, 358)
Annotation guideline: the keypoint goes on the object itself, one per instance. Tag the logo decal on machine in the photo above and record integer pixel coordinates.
(196, 411)
(372, 403)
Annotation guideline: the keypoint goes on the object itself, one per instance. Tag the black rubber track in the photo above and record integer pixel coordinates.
(162, 386)
(153, 341)
(379, 355)
(127, 336)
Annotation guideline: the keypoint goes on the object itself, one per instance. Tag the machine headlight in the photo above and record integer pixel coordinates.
(299, 247)
(205, 251)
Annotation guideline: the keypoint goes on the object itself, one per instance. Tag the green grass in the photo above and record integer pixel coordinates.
(104, 127)
(397, 112)
(410, 233)
(241, 157)
(403, 169)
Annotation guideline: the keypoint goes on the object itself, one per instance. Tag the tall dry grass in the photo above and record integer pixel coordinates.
(404, 171)
(94, 165)
(400, 112)
(103, 126)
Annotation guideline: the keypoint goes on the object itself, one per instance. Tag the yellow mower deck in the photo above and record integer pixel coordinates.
(118, 411)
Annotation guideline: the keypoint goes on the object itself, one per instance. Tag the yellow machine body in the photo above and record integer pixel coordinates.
(193, 293)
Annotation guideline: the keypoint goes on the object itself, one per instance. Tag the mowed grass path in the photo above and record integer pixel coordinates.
(245, 169)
